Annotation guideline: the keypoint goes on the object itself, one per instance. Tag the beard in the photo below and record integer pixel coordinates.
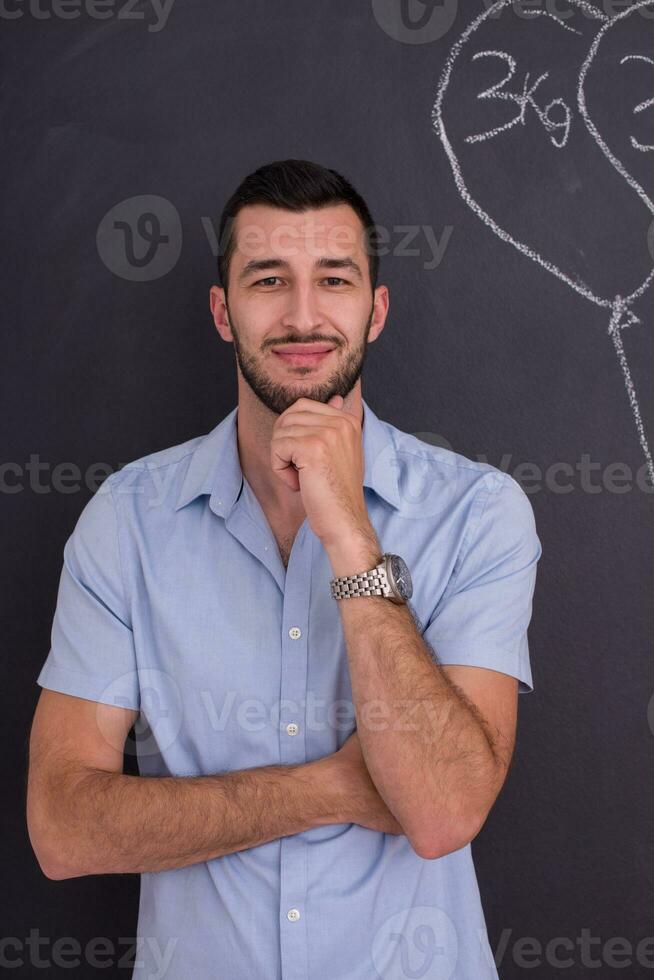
(277, 397)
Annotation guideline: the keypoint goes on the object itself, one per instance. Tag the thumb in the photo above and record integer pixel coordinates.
(336, 401)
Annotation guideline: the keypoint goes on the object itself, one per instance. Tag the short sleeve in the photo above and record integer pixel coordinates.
(482, 617)
(92, 644)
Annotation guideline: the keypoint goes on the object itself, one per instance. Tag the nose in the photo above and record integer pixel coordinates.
(303, 309)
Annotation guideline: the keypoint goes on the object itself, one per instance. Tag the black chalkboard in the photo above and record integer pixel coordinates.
(507, 151)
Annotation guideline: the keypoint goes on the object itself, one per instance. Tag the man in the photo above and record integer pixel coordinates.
(323, 622)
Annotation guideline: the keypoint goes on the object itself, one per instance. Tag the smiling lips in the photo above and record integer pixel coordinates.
(299, 356)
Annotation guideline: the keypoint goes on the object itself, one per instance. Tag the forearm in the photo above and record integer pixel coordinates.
(425, 750)
(424, 745)
(105, 822)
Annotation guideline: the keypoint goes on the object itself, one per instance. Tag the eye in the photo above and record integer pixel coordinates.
(267, 281)
(336, 279)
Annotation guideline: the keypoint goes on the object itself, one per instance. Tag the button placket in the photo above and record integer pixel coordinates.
(293, 686)
(293, 751)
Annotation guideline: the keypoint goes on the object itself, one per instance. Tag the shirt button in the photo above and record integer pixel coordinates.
(295, 632)
(293, 915)
(292, 729)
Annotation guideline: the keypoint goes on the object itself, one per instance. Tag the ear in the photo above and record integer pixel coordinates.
(380, 312)
(218, 308)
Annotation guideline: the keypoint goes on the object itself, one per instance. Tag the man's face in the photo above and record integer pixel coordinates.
(299, 282)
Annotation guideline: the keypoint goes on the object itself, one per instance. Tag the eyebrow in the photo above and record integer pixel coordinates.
(265, 265)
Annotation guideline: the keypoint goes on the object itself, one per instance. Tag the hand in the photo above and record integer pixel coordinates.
(317, 450)
(364, 805)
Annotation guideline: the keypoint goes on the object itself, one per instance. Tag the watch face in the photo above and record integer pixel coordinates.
(401, 577)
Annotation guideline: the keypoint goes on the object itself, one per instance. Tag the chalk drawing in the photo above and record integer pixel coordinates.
(641, 105)
(621, 315)
(524, 100)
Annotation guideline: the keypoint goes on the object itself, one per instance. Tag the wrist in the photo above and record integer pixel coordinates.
(354, 554)
(325, 777)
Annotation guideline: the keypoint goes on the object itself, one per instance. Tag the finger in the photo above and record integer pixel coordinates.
(308, 418)
(311, 405)
(286, 451)
(338, 422)
(289, 452)
(287, 473)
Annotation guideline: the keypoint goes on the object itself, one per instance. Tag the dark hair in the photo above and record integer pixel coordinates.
(296, 185)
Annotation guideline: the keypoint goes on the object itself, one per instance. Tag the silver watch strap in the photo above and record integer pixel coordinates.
(373, 582)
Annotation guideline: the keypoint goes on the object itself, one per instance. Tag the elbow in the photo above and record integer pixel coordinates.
(451, 830)
(55, 872)
(52, 859)
(431, 842)
(50, 848)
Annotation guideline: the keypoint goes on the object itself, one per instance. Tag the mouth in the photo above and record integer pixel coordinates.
(303, 357)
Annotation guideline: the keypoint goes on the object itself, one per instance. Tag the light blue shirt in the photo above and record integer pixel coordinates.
(174, 600)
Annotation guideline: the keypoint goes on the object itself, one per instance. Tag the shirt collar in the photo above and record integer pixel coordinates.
(215, 468)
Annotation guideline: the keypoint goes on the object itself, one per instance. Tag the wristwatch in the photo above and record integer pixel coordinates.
(390, 578)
